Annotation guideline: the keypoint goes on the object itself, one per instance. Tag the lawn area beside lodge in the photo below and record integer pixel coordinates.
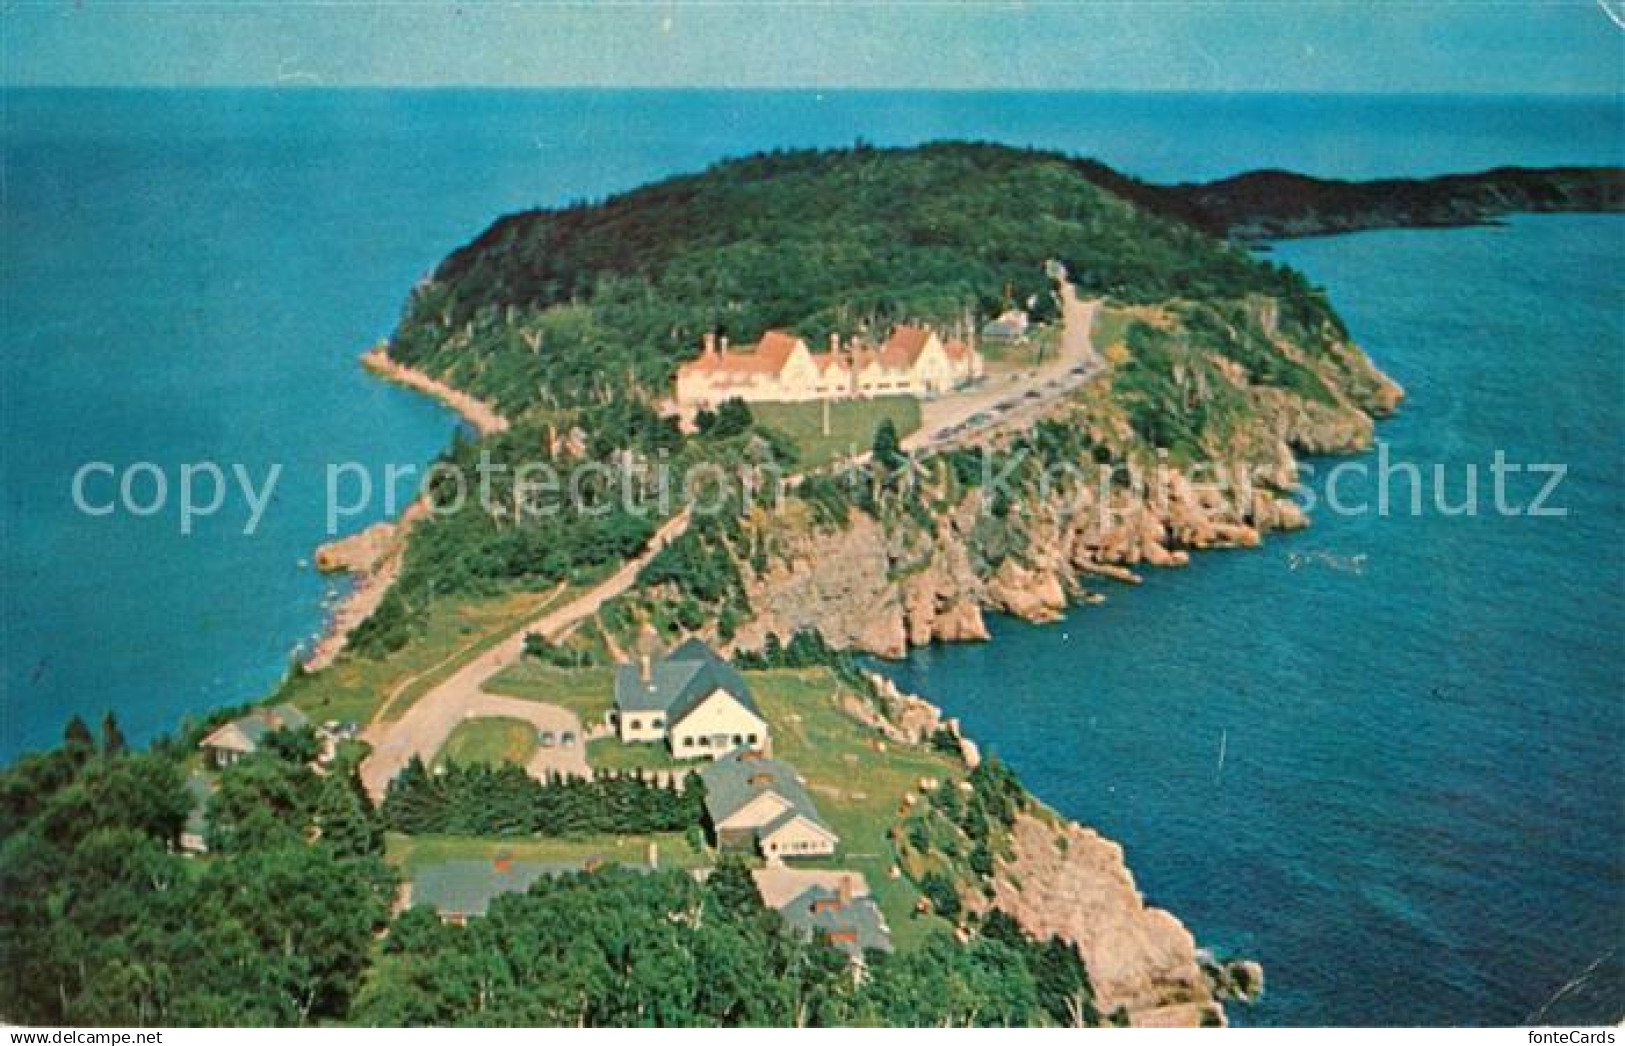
(852, 425)
(857, 779)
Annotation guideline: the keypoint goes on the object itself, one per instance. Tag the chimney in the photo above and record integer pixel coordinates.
(761, 779)
(645, 668)
(710, 344)
(834, 343)
(724, 343)
(843, 891)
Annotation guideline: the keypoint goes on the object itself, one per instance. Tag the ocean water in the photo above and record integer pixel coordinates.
(1419, 814)
(1382, 755)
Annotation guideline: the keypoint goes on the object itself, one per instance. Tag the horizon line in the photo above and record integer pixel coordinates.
(292, 86)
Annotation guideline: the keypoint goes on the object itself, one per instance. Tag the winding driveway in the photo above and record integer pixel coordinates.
(424, 727)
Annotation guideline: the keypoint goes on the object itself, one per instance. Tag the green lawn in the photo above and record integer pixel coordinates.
(353, 687)
(607, 753)
(588, 692)
(858, 787)
(412, 852)
(491, 740)
(852, 425)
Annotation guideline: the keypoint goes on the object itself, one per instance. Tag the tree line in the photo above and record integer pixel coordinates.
(504, 800)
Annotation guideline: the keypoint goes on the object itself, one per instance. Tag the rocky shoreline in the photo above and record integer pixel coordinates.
(481, 415)
(373, 556)
(1062, 879)
(884, 587)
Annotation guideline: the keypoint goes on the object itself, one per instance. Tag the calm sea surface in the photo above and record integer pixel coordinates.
(1420, 812)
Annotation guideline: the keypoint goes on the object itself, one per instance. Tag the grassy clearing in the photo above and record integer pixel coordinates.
(491, 741)
(607, 753)
(852, 425)
(588, 692)
(856, 777)
(353, 687)
(1110, 329)
(410, 853)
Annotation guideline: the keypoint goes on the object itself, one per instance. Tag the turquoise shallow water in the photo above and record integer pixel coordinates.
(1420, 813)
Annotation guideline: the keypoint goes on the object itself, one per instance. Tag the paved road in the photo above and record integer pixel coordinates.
(424, 727)
(1016, 400)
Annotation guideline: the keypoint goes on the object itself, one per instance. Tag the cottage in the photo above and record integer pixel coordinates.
(244, 736)
(758, 805)
(691, 699)
(1011, 325)
(835, 903)
(913, 361)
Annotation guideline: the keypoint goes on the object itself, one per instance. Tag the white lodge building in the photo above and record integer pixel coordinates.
(692, 700)
(914, 361)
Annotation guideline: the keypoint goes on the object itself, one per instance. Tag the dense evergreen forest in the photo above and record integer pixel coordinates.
(579, 304)
(103, 922)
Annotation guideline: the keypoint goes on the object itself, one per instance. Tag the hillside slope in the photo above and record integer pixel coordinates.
(567, 306)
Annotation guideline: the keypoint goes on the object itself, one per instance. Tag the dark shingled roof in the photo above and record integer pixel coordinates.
(253, 727)
(467, 887)
(858, 915)
(678, 682)
(728, 787)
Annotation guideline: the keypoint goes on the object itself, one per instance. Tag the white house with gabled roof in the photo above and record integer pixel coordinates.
(691, 699)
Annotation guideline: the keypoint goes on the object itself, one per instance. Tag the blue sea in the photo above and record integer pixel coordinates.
(1382, 756)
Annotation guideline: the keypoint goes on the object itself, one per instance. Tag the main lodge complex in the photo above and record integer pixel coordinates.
(913, 361)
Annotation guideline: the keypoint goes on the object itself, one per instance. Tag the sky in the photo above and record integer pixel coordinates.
(1410, 46)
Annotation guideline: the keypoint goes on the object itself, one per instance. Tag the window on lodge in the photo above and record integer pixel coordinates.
(635, 724)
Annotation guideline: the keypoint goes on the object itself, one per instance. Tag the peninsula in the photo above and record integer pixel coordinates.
(612, 759)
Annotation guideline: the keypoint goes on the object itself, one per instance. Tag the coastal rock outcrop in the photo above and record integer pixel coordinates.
(1068, 881)
(358, 553)
(902, 576)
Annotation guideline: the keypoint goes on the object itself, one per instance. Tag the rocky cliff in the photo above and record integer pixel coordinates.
(932, 559)
(1065, 880)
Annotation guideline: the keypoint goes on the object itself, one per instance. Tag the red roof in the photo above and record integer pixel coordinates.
(765, 357)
